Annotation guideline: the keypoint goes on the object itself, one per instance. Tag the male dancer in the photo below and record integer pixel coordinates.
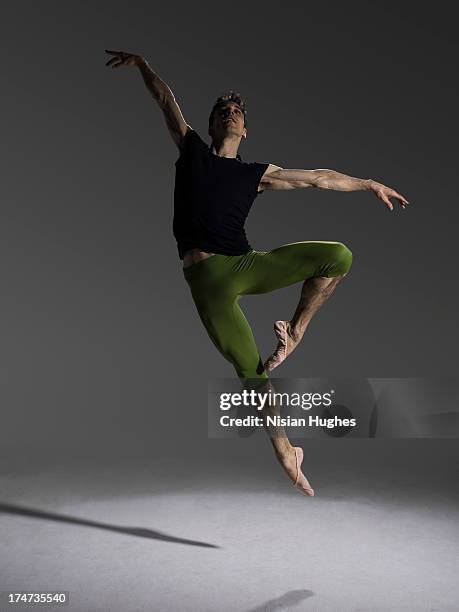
(214, 190)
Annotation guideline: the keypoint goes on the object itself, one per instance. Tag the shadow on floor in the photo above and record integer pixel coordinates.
(289, 599)
(135, 531)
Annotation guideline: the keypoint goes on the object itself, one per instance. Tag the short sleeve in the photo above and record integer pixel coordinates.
(257, 170)
(191, 140)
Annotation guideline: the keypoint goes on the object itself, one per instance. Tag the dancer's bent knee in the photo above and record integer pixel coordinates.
(342, 261)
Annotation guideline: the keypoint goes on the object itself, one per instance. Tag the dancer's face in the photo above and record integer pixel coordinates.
(228, 120)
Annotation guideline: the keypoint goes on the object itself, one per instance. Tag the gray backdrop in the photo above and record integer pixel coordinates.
(102, 349)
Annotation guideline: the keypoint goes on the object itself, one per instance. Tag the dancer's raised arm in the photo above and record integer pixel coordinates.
(328, 179)
(160, 91)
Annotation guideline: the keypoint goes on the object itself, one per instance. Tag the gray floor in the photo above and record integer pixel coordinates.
(168, 534)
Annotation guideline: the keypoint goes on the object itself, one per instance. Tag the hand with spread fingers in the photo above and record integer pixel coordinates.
(385, 193)
(121, 58)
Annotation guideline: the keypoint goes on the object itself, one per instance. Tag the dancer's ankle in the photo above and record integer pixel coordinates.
(285, 452)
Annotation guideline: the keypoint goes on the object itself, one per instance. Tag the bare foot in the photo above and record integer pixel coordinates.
(287, 343)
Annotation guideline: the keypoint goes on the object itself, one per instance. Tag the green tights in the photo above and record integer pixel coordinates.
(218, 282)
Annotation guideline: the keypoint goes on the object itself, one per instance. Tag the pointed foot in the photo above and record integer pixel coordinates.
(301, 483)
(284, 346)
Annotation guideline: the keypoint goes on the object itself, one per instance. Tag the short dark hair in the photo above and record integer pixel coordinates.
(229, 96)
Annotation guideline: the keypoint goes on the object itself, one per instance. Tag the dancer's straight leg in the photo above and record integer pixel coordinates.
(288, 456)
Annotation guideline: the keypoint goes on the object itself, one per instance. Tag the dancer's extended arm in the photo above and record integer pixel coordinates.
(283, 178)
(160, 91)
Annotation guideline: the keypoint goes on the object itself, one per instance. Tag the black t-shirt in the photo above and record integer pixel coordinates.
(212, 198)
